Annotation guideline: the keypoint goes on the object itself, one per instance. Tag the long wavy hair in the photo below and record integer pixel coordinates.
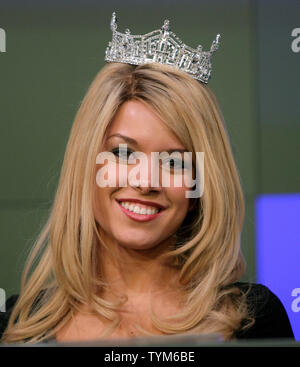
(63, 272)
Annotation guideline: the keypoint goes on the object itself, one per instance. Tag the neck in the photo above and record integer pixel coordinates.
(137, 272)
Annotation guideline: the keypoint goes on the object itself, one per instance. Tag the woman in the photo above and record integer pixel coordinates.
(139, 259)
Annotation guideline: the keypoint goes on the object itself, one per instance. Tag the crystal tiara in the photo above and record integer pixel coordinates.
(162, 46)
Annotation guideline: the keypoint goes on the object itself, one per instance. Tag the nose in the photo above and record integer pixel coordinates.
(146, 175)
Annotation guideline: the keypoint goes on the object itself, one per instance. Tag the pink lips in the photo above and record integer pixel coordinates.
(139, 217)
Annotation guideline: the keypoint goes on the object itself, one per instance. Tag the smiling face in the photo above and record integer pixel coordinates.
(127, 215)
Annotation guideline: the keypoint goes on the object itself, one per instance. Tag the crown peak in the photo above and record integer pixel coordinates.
(113, 22)
(166, 25)
(216, 43)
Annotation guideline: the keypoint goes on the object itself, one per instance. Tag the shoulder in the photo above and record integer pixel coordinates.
(4, 316)
(269, 314)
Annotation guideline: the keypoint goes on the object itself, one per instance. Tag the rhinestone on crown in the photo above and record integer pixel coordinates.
(162, 46)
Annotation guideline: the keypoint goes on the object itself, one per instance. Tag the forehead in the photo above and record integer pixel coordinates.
(139, 121)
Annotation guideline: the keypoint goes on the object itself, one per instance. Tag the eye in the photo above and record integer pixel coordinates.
(176, 164)
(122, 154)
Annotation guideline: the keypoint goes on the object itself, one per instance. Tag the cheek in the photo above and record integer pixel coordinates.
(179, 179)
(121, 172)
(111, 174)
(180, 184)
(177, 196)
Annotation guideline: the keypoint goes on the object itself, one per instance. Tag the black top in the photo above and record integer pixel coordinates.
(271, 320)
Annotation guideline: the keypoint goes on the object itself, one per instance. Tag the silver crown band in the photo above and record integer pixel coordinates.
(162, 46)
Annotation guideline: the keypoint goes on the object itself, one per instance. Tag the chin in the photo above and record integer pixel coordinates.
(137, 244)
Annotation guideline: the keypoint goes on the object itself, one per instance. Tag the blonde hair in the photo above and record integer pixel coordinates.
(207, 253)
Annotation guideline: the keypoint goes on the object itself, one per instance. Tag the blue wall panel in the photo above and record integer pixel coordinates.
(278, 250)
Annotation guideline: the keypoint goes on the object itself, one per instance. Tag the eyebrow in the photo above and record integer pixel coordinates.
(134, 142)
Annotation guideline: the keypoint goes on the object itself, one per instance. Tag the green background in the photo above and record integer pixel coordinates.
(53, 52)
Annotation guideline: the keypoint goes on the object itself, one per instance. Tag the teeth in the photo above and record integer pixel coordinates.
(137, 209)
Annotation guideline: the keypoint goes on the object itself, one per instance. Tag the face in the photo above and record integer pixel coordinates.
(126, 214)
